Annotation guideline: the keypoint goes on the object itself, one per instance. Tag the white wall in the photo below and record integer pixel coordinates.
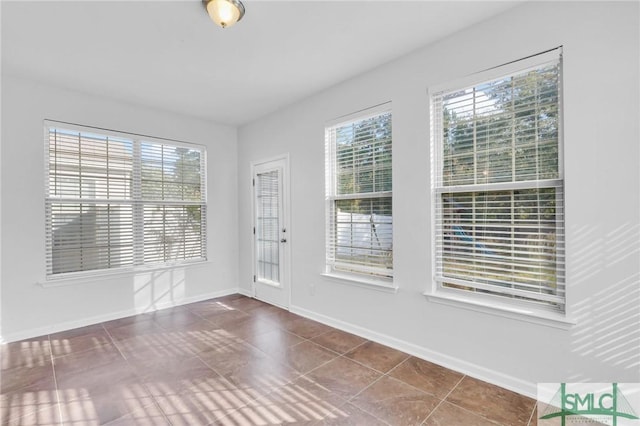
(602, 201)
(29, 309)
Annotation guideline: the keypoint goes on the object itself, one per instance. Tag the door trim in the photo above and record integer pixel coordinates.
(286, 208)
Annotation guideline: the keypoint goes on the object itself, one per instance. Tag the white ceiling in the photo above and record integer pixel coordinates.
(169, 54)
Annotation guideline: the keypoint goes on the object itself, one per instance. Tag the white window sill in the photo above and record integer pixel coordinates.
(361, 281)
(103, 275)
(521, 313)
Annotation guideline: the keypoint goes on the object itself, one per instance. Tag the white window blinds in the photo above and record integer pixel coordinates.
(268, 225)
(498, 189)
(115, 201)
(359, 194)
(172, 184)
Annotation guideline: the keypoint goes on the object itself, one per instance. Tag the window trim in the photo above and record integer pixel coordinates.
(361, 280)
(358, 278)
(137, 202)
(529, 311)
(485, 76)
(496, 306)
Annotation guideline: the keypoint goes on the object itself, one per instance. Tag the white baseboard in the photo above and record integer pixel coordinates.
(491, 376)
(69, 325)
(245, 292)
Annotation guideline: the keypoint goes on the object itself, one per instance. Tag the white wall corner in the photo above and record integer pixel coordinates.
(245, 292)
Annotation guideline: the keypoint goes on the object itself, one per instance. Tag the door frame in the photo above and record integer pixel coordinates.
(286, 211)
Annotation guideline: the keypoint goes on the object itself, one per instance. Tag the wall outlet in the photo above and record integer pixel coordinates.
(312, 289)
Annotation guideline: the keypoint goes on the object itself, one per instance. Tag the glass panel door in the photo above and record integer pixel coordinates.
(271, 237)
(268, 226)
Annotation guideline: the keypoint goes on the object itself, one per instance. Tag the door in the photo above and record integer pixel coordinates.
(270, 232)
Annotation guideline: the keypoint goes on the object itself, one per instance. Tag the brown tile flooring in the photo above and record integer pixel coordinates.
(236, 361)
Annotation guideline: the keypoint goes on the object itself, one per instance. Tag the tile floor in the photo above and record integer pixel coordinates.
(236, 361)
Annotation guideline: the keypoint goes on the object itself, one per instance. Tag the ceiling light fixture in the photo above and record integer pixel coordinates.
(224, 12)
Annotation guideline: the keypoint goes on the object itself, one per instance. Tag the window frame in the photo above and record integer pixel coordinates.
(368, 277)
(492, 303)
(136, 200)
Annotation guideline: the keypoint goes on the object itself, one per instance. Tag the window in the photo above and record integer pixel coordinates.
(358, 194)
(117, 200)
(498, 185)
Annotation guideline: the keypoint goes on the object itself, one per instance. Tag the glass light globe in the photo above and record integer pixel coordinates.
(225, 12)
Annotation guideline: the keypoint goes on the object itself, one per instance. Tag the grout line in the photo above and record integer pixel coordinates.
(379, 371)
(357, 346)
(321, 365)
(472, 413)
(349, 401)
(247, 403)
(321, 334)
(55, 381)
(382, 373)
(432, 411)
(338, 354)
(144, 385)
(462, 408)
(398, 365)
(388, 375)
(159, 408)
(113, 342)
(364, 389)
(444, 399)
(413, 387)
(453, 388)
(280, 325)
(533, 410)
